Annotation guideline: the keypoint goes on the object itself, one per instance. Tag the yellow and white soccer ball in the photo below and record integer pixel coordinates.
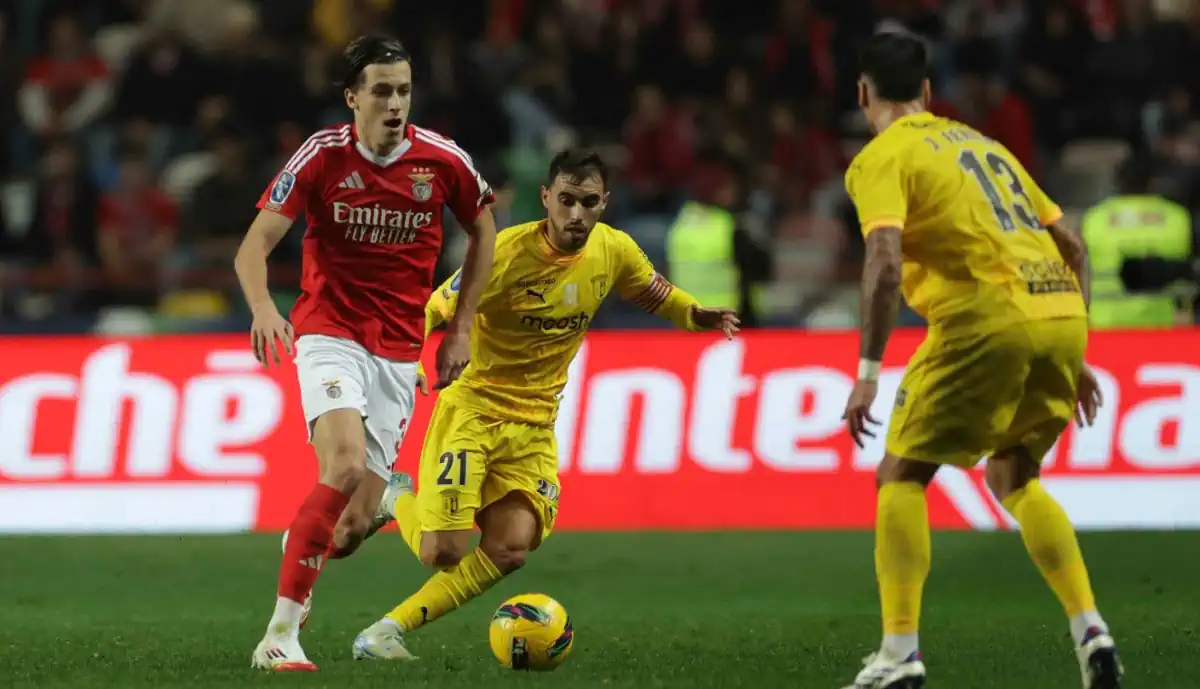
(531, 632)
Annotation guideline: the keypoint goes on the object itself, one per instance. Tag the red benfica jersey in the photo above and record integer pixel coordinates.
(374, 232)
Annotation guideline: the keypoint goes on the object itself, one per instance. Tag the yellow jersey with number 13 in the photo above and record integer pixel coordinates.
(975, 249)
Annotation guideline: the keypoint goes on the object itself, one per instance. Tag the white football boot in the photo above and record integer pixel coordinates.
(885, 672)
(308, 598)
(383, 640)
(399, 484)
(1098, 660)
(280, 651)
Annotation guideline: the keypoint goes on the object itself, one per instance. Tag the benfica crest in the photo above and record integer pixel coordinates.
(422, 187)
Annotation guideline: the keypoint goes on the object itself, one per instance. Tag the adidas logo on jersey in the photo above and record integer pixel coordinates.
(354, 181)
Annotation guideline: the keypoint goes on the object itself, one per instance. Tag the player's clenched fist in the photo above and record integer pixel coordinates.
(267, 332)
(452, 357)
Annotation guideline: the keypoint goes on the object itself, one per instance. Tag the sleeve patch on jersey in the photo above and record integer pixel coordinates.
(284, 184)
(654, 295)
(456, 283)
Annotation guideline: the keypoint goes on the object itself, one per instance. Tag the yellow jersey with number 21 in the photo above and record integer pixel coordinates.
(975, 249)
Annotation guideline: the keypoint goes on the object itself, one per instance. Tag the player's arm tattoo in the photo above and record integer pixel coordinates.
(1074, 251)
(880, 291)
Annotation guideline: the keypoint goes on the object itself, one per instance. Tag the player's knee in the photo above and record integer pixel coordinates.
(895, 469)
(343, 463)
(340, 444)
(344, 474)
(508, 557)
(1008, 471)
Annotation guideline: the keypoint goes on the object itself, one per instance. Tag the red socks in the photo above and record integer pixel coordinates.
(309, 539)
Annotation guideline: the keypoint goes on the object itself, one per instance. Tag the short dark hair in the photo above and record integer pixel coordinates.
(896, 63)
(578, 164)
(369, 50)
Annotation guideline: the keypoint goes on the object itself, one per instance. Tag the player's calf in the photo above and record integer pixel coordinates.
(510, 529)
(339, 439)
(358, 521)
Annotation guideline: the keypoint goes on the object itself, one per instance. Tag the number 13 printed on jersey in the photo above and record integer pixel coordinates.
(999, 171)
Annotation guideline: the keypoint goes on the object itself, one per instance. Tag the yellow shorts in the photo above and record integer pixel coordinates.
(967, 395)
(470, 461)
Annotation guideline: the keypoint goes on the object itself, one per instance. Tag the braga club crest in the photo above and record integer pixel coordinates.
(422, 187)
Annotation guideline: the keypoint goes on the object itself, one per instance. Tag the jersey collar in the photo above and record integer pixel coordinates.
(388, 160)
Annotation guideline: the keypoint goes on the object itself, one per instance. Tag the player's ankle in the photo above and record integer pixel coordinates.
(1084, 622)
(900, 646)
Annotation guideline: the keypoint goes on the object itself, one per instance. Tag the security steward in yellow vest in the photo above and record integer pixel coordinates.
(715, 255)
(1134, 224)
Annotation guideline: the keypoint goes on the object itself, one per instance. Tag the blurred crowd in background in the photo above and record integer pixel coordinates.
(138, 134)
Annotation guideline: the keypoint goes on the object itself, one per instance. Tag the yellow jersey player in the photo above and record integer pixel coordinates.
(490, 455)
(955, 223)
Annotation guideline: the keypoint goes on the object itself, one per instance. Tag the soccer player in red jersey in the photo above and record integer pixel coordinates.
(373, 192)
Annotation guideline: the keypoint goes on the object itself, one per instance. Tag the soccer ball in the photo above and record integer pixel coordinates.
(531, 632)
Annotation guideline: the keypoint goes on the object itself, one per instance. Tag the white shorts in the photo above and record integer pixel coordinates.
(336, 373)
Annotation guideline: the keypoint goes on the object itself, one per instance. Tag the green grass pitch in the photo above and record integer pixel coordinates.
(725, 610)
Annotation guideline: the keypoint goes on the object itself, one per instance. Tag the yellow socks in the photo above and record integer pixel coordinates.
(405, 511)
(902, 554)
(447, 590)
(1051, 542)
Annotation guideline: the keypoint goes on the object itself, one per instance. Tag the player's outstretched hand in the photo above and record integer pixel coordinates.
(858, 411)
(1090, 399)
(725, 320)
(267, 332)
(453, 354)
(422, 383)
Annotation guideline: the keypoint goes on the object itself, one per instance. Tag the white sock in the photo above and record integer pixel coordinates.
(900, 646)
(1081, 623)
(286, 619)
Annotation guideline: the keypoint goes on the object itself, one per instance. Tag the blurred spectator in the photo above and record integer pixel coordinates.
(1132, 68)
(67, 87)
(138, 226)
(799, 54)
(63, 232)
(203, 25)
(223, 205)
(542, 96)
(972, 49)
(659, 138)
(455, 99)
(734, 118)
(803, 157)
(339, 21)
(159, 85)
(700, 70)
(1051, 74)
(986, 104)
(252, 85)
